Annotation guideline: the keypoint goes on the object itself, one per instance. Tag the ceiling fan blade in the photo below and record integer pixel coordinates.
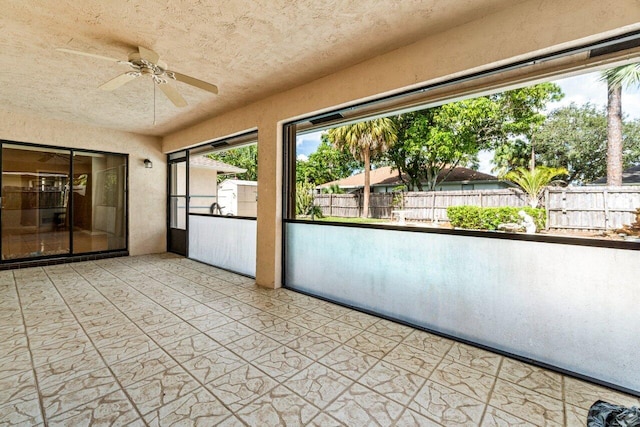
(173, 95)
(148, 55)
(118, 81)
(91, 55)
(195, 82)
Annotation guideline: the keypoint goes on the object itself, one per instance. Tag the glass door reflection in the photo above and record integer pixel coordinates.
(35, 202)
(99, 202)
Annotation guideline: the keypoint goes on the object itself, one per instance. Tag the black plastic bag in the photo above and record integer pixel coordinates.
(603, 414)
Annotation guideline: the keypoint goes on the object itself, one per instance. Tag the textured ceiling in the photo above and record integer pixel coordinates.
(250, 49)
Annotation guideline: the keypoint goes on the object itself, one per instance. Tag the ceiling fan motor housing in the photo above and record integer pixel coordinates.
(147, 68)
(146, 62)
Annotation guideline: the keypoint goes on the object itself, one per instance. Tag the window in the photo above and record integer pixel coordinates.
(530, 159)
(222, 196)
(223, 180)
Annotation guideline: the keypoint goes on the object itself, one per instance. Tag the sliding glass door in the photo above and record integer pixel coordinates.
(35, 202)
(99, 202)
(58, 202)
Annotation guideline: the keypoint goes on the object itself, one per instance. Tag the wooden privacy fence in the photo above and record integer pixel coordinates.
(350, 205)
(575, 208)
(591, 208)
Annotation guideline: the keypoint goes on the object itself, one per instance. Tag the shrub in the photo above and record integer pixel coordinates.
(333, 189)
(304, 201)
(477, 218)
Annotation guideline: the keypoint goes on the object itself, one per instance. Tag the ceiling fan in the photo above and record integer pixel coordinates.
(146, 62)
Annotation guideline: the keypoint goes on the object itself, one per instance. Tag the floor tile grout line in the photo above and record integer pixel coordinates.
(486, 402)
(102, 291)
(136, 290)
(493, 387)
(494, 377)
(164, 284)
(250, 362)
(108, 366)
(217, 277)
(444, 355)
(161, 347)
(233, 319)
(33, 365)
(173, 272)
(203, 385)
(563, 397)
(355, 381)
(200, 384)
(91, 318)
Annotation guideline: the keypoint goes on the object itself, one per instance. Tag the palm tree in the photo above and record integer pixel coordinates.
(534, 181)
(365, 140)
(616, 78)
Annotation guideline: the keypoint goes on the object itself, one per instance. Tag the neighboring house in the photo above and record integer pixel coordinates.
(203, 182)
(385, 180)
(630, 176)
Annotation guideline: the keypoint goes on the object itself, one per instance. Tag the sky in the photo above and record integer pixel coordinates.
(589, 88)
(578, 89)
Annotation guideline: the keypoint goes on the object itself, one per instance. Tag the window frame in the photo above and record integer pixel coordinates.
(564, 62)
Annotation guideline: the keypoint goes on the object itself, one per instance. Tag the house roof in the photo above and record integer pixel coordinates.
(239, 182)
(385, 176)
(204, 162)
(629, 176)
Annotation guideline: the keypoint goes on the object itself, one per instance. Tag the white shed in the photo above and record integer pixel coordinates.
(238, 198)
(203, 173)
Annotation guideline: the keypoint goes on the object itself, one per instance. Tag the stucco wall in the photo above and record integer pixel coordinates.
(524, 30)
(147, 187)
(202, 182)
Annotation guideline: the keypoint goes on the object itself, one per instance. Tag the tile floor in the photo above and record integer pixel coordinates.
(162, 340)
(29, 242)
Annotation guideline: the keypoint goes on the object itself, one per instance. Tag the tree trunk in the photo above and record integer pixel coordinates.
(367, 183)
(431, 179)
(532, 160)
(614, 135)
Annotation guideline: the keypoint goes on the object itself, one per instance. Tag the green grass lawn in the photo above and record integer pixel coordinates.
(353, 220)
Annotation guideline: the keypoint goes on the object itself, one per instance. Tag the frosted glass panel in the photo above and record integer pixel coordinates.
(228, 243)
(538, 300)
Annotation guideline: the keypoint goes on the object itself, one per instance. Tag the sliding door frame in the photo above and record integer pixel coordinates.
(172, 237)
(70, 202)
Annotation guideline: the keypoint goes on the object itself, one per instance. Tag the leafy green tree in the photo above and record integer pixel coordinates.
(534, 181)
(326, 164)
(365, 141)
(333, 189)
(523, 109)
(631, 147)
(243, 157)
(510, 156)
(523, 113)
(441, 138)
(575, 138)
(438, 138)
(616, 78)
